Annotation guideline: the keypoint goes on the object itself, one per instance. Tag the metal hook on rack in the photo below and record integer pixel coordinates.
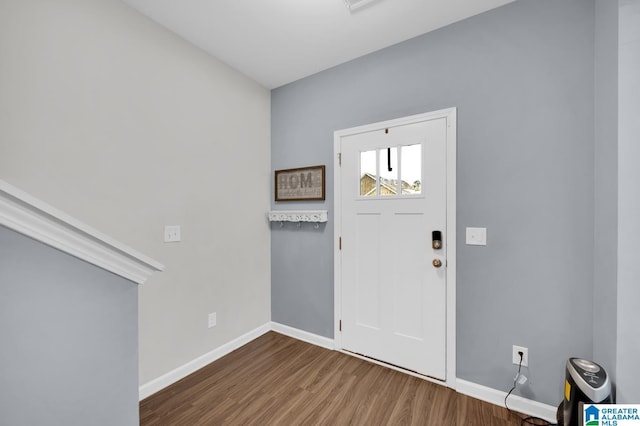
(317, 225)
(282, 224)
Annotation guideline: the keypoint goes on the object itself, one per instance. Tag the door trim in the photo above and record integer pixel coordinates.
(451, 151)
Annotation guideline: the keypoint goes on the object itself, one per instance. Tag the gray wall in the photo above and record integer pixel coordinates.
(68, 339)
(628, 369)
(605, 265)
(522, 79)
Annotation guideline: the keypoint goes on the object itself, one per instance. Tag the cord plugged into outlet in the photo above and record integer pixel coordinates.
(520, 355)
(520, 378)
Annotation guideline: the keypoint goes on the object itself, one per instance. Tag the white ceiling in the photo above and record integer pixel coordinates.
(276, 42)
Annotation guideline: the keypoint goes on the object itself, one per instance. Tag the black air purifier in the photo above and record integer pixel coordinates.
(585, 382)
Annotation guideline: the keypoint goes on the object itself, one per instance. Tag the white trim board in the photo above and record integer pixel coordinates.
(29, 216)
(516, 403)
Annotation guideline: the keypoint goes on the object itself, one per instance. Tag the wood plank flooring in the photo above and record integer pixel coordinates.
(277, 380)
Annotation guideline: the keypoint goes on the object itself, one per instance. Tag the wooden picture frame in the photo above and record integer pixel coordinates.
(300, 184)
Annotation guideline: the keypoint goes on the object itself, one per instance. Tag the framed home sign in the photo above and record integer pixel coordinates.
(301, 184)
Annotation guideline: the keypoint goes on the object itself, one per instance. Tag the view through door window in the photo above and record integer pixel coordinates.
(391, 172)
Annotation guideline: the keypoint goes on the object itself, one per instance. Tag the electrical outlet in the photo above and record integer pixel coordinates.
(516, 355)
(212, 319)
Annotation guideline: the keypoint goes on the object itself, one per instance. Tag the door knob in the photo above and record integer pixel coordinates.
(437, 263)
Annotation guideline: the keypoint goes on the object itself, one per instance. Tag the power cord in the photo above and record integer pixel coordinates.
(524, 420)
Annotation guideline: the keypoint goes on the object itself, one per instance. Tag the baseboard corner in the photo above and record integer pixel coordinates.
(305, 336)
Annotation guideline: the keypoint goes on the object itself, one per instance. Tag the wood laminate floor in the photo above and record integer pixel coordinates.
(277, 380)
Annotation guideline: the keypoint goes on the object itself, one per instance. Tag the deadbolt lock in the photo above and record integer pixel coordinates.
(436, 240)
(437, 263)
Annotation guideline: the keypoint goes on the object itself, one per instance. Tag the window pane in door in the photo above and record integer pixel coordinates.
(412, 169)
(368, 174)
(389, 171)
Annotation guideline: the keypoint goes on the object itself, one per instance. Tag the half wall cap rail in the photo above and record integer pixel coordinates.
(29, 216)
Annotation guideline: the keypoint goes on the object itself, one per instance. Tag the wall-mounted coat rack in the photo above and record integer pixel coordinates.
(299, 216)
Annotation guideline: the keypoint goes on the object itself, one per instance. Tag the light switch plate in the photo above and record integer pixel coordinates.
(212, 320)
(171, 233)
(477, 236)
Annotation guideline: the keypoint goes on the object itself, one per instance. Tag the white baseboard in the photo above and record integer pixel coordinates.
(516, 403)
(305, 336)
(183, 371)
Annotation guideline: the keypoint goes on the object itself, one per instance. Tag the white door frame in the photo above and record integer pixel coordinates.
(450, 115)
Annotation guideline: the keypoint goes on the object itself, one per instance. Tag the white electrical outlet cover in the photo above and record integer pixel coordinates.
(516, 356)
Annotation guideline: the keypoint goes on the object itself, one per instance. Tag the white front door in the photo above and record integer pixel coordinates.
(393, 200)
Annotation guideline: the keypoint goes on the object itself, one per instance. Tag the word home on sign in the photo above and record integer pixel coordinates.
(300, 184)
